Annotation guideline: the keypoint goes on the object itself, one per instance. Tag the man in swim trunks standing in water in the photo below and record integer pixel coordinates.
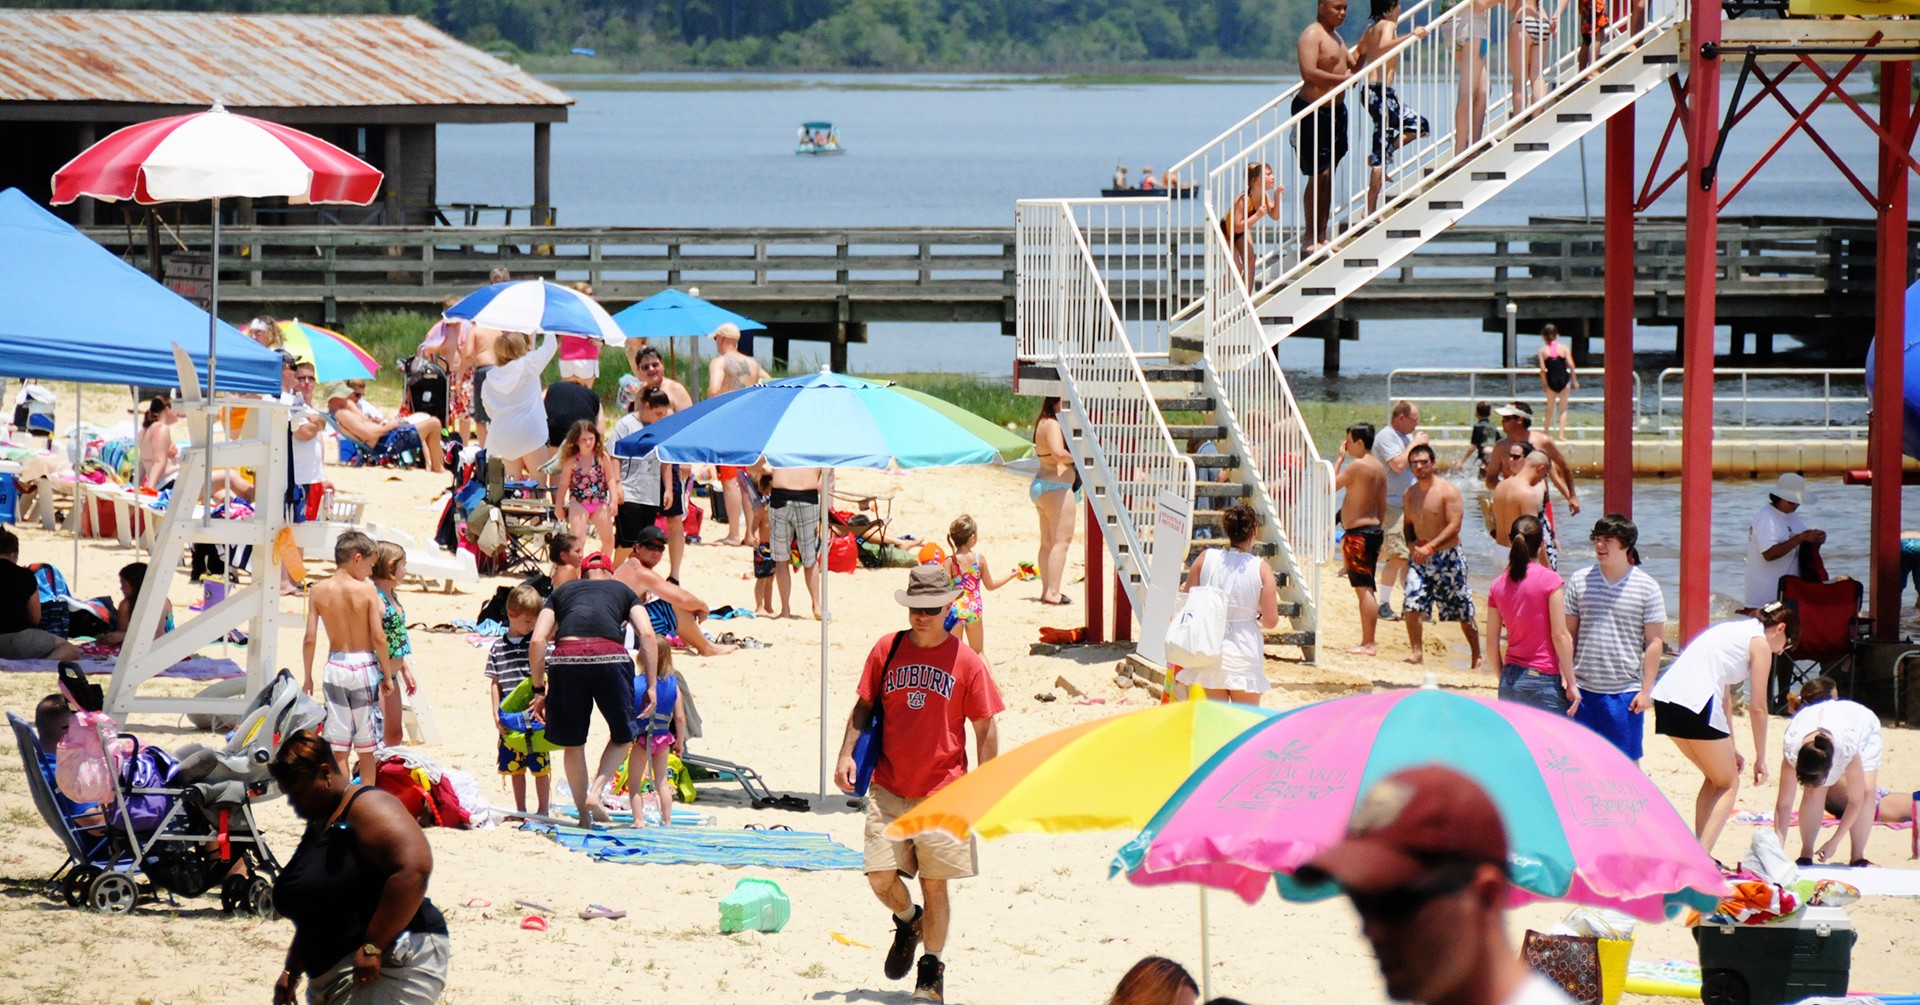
(1325, 63)
(1361, 514)
(1437, 569)
(358, 670)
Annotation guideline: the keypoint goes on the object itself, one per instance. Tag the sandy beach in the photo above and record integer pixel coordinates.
(1043, 922)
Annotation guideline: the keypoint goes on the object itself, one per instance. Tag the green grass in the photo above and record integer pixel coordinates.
(989, 398)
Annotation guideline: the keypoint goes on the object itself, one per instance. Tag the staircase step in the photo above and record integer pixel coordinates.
(1184, 404)
(1215, 462)
(1617, 88)
(1290, 608)
(1441, 205)
(1532, 148)
(1302, 639)
(1197, 432)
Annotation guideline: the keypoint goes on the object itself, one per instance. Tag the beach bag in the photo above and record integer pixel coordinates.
(1198, 633)
(149, 768)
(83, 768)
(492, 539)
(1571, 961)
(866, 749)
(843, 555)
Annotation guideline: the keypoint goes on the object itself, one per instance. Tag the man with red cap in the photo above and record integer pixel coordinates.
(1425, 864)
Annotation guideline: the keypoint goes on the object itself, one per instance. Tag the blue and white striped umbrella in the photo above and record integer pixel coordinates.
(538, 307)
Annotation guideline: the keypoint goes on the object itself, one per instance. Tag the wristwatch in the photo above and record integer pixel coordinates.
(372, 950)
(538, 690)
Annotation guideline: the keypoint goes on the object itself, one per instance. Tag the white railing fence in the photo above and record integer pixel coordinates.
(1067, 314)
(1148, 269)
(1771, 402)
(1447, 397)
(1453, 80)
(1275, 441)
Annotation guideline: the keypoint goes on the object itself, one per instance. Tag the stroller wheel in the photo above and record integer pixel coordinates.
(74, 887)
(112, 893)
(260, 898)
(233, 894)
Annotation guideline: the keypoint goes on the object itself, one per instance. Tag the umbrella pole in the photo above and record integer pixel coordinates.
(1206, 950)
(77, 446)
(826, 619)
(213, 329)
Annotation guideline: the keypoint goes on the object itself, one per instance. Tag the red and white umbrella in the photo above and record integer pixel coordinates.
(215, 155)
(209, 156)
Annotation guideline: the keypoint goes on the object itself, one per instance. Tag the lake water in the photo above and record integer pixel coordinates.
(951, 150)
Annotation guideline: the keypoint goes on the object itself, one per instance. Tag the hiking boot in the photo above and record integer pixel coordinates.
(906, 938)
(930, 985)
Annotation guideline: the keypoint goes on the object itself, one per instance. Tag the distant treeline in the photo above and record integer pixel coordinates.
(862, 34)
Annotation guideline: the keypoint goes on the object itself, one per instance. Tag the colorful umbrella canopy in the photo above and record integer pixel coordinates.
(333, 355)
(215, 155)
(1011, 445)
(538, 307)
(1106, 774)
(1583, 824)
(673, 314)
(818, 420)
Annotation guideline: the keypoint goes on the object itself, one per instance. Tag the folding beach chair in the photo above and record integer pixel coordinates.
(758, 794)
(1830, 630)
(528, 516)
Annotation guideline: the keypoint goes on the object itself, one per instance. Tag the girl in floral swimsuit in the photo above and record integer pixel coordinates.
(969, 571)
(589, 482)
(389, 568)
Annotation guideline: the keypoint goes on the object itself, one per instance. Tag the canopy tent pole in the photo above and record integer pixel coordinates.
(77, 447)
(827, 758)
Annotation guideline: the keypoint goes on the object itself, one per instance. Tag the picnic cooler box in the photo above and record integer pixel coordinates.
(1802, 956)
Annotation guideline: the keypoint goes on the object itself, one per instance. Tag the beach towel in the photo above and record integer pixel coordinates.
(1870, 881)
(1758, 818)
(706, 845)
(196, 668)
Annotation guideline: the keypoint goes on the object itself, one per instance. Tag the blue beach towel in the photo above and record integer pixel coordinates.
(705, 845)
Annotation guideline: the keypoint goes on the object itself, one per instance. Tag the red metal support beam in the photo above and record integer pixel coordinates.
(1617, 329)
(1703, 243)
(1122, 612)
(1890, 326)
(1096, 578)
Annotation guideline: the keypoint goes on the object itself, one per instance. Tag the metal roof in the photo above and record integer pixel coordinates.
(251, 61)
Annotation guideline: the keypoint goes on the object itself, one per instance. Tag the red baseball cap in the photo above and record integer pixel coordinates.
(1405, 825)
(597, 560)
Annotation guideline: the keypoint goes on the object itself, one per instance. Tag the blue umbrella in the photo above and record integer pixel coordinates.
(538, 307)
(673, 314)
(818, 420)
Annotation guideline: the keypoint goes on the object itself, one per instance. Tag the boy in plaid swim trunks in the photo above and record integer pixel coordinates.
(508, 665)
(359, 668)
(1437, 569)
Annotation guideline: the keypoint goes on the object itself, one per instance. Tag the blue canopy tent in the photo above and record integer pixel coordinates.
(72, 310)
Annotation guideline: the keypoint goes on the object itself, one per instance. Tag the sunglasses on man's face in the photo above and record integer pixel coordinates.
(926, 612)
(1397, 906)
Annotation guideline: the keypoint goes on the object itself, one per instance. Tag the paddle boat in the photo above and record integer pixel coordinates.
(1157, 192)
(819, 138)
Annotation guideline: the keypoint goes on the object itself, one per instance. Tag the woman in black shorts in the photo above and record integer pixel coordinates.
(591, 665)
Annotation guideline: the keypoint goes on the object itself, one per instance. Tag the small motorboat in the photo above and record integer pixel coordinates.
(1157, 192)
(819, 138)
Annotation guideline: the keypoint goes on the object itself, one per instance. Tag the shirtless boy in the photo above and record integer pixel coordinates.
(1361, 513)
(1378, 56)
(359, 670)
(1437, 571)
(1523, 493)
(1325, 63)
(732, 370)
(794, 512)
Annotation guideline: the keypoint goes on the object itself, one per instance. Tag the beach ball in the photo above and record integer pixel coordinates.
(932, 554)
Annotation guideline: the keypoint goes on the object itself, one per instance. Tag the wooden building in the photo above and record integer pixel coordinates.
(378, 86)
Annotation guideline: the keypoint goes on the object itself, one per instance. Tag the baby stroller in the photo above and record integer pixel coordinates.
(173, 825)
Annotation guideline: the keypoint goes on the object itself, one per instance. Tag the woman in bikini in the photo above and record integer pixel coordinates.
(589, 483)
(1261, 199)
(1055, 491)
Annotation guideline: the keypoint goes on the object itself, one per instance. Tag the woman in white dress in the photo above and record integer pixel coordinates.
(516, 413)
(1253, 605)
(1690, 705)
(1830, 742)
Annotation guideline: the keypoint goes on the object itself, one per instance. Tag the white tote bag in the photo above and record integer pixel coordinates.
(1198, 633)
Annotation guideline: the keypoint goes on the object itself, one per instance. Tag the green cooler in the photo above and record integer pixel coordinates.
(1809, 953)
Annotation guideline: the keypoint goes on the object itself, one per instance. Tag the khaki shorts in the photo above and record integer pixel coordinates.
(1394, 544)
(933, 856)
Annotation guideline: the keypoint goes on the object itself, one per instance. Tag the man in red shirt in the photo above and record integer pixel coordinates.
(928, 687)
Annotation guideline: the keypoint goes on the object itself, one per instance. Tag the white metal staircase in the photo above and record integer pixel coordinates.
(1138, 312)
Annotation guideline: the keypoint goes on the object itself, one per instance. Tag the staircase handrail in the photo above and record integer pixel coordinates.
(1106, 357)
(1293, 483)
(1427, 70)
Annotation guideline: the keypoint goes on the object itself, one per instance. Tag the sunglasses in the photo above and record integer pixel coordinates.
(1396, 906)
(651, 547)
(926, 612)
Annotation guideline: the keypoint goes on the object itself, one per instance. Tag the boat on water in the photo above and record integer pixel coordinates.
(1157, 192)
(818, 139)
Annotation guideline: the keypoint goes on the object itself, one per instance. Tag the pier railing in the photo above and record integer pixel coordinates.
(1440, 386)
(1772, 402)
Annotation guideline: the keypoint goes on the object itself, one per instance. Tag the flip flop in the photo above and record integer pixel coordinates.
(479, 903)
(532, 906)
(597, 911)
(1046, 696)
(1859, 863)
(534, 923)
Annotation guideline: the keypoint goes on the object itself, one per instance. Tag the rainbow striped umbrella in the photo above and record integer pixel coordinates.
(333, 355)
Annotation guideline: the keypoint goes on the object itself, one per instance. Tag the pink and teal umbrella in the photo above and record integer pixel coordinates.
(333, 355)
(1583, 824)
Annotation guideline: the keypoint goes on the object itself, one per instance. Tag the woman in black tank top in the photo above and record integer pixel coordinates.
(355, 889)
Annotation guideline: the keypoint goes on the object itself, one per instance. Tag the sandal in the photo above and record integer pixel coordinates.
(597, 911)
(1803, 861)
(1859, 863)
(534, 923)
(1046, 696)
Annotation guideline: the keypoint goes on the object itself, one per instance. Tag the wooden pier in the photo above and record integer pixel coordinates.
(1811, 278)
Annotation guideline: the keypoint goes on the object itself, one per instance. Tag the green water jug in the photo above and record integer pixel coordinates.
(755, 905)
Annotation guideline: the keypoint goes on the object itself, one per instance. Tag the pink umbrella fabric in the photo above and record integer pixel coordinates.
(1584, 824)
(215, 154)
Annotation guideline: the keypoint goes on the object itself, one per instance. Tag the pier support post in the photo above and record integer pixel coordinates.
(782, 353)
(1703, 243)
(542, 174)
(1889, 375)
(1330, 348)
(837, 349)
(1096, 545)
(1616, 329)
